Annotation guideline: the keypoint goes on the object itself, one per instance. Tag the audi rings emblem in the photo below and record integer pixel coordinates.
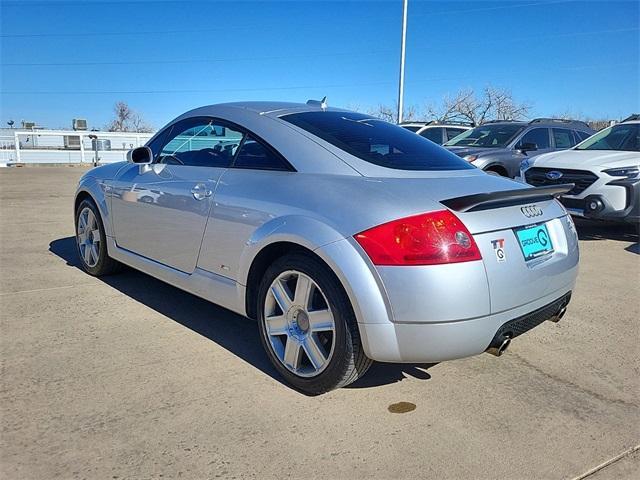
(531, 211)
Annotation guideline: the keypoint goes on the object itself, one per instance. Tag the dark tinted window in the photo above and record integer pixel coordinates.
(563, 138)
(253, 154)
(411, 128)
(433, 134)
(582, 135)
(377, 141)
(454, 132)
(539, 136)
(200, 143)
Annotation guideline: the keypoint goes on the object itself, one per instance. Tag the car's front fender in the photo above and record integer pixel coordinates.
(97, 190)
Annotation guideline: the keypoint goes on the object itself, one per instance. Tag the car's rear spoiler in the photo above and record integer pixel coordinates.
(506, 198)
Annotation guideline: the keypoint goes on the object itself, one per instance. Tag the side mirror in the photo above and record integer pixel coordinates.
(142, 155)
(526, 147)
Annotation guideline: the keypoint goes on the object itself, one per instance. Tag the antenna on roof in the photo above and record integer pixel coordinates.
(319, 103)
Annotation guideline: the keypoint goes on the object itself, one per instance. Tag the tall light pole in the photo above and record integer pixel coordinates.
(402, 53)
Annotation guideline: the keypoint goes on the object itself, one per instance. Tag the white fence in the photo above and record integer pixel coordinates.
(66, 146)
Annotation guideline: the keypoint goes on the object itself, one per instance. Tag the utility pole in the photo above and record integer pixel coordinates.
(402, 54)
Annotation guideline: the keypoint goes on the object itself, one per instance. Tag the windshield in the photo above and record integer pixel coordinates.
(489, 136)
(411, 128)
(377, 141)
(624, 137)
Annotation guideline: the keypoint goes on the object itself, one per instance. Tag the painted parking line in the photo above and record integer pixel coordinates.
(607, 463)
(36, 290)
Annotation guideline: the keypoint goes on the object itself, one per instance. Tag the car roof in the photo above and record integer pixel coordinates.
(434, 124)
(545, 122)
(263, 108)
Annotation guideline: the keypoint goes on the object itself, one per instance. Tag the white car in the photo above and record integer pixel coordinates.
(435, 131)
(605, 169)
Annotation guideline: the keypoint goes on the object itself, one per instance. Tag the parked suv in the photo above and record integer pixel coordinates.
(605, 169)
(437, 132)
(500, 146)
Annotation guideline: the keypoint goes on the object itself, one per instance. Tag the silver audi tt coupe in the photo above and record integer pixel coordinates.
(347, 238)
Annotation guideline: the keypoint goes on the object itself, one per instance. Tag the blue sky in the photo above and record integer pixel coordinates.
(65, 59)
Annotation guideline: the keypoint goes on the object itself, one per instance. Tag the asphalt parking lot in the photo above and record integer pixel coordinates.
(127, 377)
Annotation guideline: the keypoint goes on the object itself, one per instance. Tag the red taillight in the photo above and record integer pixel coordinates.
(426, 239)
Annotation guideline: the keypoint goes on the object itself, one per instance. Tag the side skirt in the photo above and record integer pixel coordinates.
(212, 287)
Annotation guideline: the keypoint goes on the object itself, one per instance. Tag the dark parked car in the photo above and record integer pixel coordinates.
(500, 146)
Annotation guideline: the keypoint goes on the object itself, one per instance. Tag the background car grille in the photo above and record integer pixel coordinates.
(583, 179)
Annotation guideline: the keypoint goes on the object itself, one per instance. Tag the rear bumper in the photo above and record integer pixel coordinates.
(442, 312)
(436, 342)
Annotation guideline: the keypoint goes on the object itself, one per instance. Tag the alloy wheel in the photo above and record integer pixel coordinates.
(88, 237)
(299, 324)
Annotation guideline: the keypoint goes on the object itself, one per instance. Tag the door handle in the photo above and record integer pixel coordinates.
(200, 191)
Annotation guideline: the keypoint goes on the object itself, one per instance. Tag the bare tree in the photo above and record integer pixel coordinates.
(465, 106)
(127, 120)
(594, 123)
(390, 113)
(122, 115)
(139, 124)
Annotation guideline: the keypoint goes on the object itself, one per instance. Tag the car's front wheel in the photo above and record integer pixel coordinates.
(308, 327)
(91, 241)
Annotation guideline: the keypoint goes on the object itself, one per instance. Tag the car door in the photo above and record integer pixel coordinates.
(249, 194)
(540, 137)
(160, 211)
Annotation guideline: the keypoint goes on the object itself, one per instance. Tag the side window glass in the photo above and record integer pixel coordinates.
(582, 135)
(539, 136)
(156, 144)
(453, 132)
(200, 143)
(433, 134)
(255, 155)
(563, 138)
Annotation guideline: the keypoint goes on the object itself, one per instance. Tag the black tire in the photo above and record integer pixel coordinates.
(348, 362)
(105, 264)
(497, 171)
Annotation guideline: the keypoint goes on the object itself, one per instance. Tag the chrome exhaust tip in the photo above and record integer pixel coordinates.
(498, 349)
(558, 316)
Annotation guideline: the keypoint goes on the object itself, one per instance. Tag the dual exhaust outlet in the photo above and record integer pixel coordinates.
(501, 341)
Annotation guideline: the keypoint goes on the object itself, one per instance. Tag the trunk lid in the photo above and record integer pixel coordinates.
(528, 244)
(513, 281)
(494, 209)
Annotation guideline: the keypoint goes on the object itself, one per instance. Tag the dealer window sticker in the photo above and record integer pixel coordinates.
(498, 248)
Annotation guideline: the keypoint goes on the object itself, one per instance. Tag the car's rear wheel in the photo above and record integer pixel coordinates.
(308, 327)
(91, 241)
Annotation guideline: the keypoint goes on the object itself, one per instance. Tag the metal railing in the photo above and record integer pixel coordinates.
(67, 146)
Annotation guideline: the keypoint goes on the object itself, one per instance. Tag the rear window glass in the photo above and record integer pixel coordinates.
(254, 155)
(563, 138)
(433, 134)
(377, 141)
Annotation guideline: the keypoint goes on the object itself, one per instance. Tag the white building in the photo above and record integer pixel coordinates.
(40, 146)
